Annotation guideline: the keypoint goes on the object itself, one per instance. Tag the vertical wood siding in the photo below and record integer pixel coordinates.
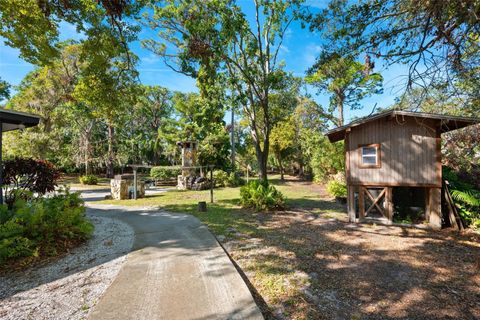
(408, 149)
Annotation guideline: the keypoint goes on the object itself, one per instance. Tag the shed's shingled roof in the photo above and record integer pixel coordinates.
(447, 122)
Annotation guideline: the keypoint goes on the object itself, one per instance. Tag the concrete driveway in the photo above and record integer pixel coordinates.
(176, 270)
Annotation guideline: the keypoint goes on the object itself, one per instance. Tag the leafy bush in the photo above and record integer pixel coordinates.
(164, 173)
(467, 198)
(220, 178)
(337, 188)
(234, 180)
(223, 179)
(42, 226)
(468, 203)
(261, 196)
(38, 176)
(89, 180)
(324, 158)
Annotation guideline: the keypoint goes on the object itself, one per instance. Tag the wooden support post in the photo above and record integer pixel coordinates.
(389, 203)
(453, 216)
(427, 204)
(351, 204)
(434, 207)
(135, 183)
(211, 184)
(361, 202)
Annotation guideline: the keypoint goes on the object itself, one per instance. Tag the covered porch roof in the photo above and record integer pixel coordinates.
(446, 122)
(13, 120)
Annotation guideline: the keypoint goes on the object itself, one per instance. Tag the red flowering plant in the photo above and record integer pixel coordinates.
(23, 176)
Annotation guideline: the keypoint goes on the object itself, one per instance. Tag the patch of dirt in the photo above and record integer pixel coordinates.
(308, 267)
(69, 287)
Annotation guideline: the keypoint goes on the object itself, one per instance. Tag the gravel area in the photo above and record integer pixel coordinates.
(68, 288)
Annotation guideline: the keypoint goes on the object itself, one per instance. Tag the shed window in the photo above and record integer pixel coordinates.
(370, 155)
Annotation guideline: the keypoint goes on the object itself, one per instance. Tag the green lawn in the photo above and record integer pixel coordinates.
(74, 182)
(226, 212)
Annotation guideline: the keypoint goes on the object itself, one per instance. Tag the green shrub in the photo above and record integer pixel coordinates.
(26, 175)
(337, 188)
(234, 180)
(468, 203)
(88, 179)
(261, 196)
(42, 226)
(164, 173)
(326, 158)
(466, 198)
(220, 178)
(223, 179)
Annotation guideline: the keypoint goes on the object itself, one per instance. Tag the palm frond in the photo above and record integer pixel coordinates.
(469, 197)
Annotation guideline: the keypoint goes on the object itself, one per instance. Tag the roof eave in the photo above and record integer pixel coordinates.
(14, 120)
(338, 134)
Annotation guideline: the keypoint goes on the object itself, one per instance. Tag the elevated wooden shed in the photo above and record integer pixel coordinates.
(393, 150)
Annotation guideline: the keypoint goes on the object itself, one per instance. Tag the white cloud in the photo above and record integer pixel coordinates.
(284, 49)
(150, 59)
(320, 4)
(288, 33)
(69, 31)
(311, 53)
(155, 70)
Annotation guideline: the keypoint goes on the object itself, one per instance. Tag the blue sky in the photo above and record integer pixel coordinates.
(299, 50)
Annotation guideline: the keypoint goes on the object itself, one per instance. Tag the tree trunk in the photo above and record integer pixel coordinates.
(301, 170)
(340, 100)
(155, 159)
(301, 165)
(280, 164)
(111, 155)
(87, 157)
(88, 149)
(262, 161)
(340, 114)
(261, 153)
(232, 138)
(266, 138)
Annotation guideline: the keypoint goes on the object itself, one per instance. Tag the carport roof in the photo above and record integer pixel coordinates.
(13, 120)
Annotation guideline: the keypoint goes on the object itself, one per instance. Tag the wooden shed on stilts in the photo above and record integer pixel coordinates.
(391, 151)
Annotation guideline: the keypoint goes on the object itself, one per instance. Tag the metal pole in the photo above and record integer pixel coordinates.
(232, 137)
(211, 184)
(135, 183)
(1, 164)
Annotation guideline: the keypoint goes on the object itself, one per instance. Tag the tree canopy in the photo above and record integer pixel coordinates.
(438, 40)
(98, 116)
(214, 41)
(346, 80)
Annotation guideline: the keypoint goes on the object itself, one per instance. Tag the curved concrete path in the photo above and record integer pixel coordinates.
(176, 270)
